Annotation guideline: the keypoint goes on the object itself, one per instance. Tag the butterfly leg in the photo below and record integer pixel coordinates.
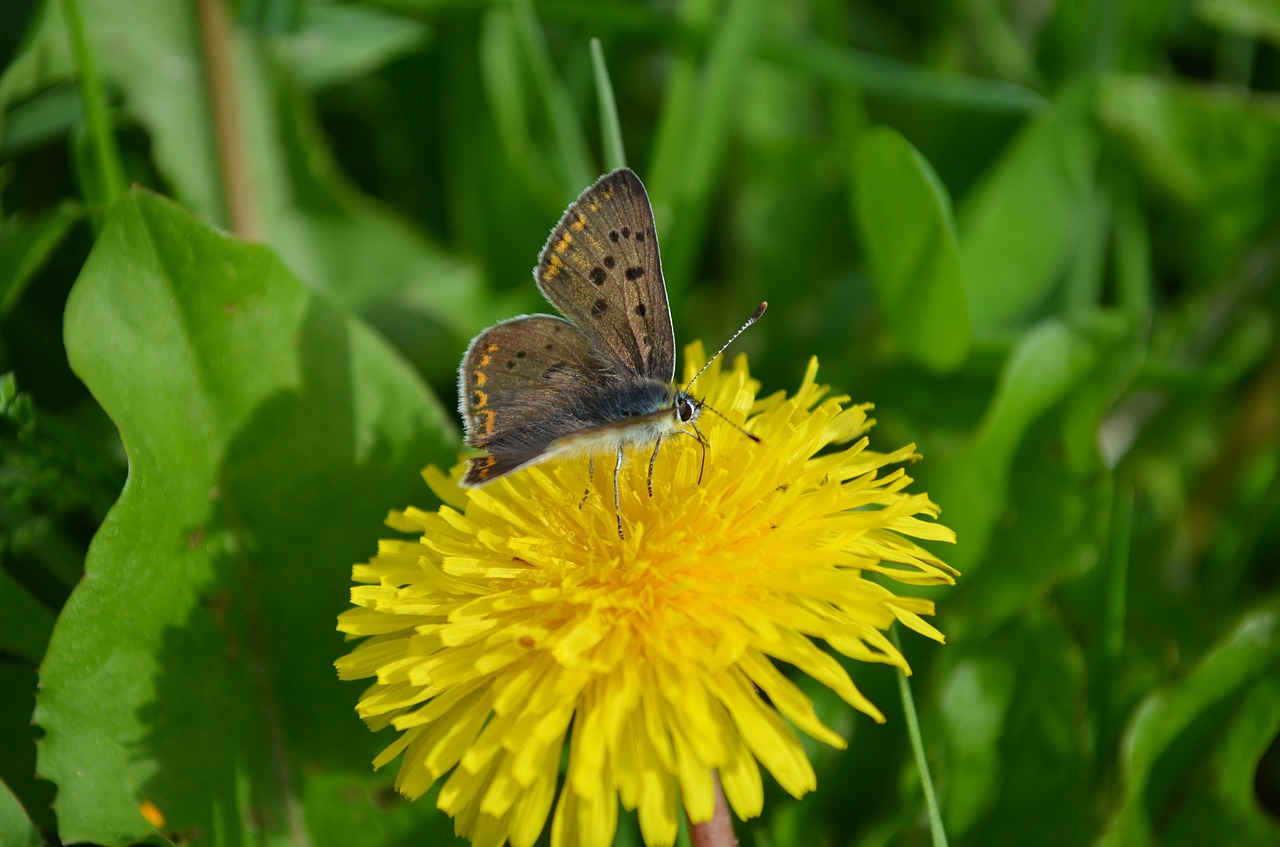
(591, 475)
(653, 459)
(617, 494)
(703, 442)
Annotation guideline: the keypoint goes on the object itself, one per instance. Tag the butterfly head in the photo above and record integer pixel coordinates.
(686, 408)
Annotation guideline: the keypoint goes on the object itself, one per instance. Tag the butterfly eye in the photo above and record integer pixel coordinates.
(684, 410)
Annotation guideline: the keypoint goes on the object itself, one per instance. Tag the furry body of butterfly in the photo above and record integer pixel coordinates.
(603, 414)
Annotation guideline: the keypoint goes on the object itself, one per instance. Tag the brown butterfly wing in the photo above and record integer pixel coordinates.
(601, 268)
(524, 384)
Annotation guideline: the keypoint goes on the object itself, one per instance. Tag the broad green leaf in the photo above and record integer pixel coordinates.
(267, 436)
(1192, 748)
(1251, 18)
(16, 829)
(1019, 228)
(340, 42)
(904, 221)
(25, 245)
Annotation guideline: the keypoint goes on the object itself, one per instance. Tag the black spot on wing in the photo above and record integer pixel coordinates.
(598, 275)
(634, 273)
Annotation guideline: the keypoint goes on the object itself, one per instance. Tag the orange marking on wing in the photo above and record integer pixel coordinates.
(481, 379)
(554, 264)
(564, 242)
(482, 399)
(488, 421)
(595, 205)
(480, 466)
(577, 225)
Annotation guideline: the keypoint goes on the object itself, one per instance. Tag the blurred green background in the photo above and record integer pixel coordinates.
(1042, 237)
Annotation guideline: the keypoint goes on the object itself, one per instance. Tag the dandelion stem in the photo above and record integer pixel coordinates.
(717, 832)
(917, 748)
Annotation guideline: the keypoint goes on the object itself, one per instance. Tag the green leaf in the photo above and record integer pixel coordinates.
(1019, 228)
(505, 73)
(331, 235)
(900, 81)
(1009, 715)
(46, 116)
(1193, 747)
(975, 695)
(688, 160)
(18, 743)
(25, 628)
(904, 221)
(267, 436)
(16, 829)
(25, 245)
(1206, 154)
(973, 484)
(1252, 18)
(129, 42)
(339, 42)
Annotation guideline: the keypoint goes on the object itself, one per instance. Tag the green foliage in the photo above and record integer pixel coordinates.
(904, 218)
(199, 436)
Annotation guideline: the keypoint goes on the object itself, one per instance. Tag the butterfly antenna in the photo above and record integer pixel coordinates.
(754, 438)
(702, 405)
(725, 346)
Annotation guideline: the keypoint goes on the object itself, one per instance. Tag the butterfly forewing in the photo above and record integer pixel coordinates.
(523, 383)
(601, 268)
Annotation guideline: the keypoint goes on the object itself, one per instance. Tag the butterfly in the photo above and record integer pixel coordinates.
(599, 379)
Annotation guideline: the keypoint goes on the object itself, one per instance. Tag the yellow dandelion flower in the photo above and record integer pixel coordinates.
(520, 621)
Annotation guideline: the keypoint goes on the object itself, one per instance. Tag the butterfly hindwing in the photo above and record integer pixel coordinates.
(601, 268)
(521, 385)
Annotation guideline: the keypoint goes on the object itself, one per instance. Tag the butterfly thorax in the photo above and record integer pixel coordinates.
(639, 412)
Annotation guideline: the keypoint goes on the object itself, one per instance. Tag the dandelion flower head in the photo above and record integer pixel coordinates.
(519, 624)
